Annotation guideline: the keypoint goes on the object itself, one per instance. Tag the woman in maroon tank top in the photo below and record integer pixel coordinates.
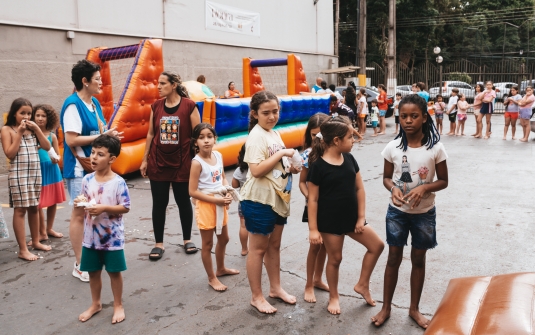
(166, 161)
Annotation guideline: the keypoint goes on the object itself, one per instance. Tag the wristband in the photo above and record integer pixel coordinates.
(392, 189)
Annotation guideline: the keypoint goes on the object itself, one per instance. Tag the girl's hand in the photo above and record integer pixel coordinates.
(288, 152)
(54, 160)
(143, 169)
(415, 196)
(315, 237)
(32, 126)
(223, 201)
(359, 227)
(397, 197)
(294, 170)
(22, 127)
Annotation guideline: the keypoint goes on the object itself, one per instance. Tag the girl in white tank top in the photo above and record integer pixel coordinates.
(207, 185)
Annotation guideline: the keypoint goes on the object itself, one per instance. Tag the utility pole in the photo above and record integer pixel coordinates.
(362, 43)
(336, 24)
(392, 71)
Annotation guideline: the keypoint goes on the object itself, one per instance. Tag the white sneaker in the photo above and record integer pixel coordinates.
(82, 275)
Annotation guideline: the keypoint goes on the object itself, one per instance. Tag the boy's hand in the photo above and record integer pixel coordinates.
(96, 210)
(397, 197)
(359, 227)
(415, 196)
(315, 237)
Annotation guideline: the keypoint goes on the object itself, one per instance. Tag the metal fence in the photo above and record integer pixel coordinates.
(504, 73)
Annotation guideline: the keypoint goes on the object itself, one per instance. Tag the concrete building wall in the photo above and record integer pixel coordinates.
(36, 62)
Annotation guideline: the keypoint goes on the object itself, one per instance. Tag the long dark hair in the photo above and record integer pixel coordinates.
(15, 106)
(481, 87)
(337, 126)
(431, 135)
(194, 149)
(175, 78)
(258, 99)
(351, 95)
(314, 122)
(243, 166)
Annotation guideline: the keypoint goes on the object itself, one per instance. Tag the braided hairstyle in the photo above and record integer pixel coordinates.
(175, 78)
(337, 126)
(256, 100)
(431, 135)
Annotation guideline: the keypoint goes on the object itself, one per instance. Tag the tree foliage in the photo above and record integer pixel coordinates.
(474, 30)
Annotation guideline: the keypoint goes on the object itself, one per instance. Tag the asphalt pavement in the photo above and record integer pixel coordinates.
(485, 226)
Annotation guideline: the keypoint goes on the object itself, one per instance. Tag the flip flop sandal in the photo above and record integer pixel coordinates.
(158, 251)
(188, 246)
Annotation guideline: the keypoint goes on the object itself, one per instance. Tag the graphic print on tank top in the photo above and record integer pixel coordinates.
(169, 129)
(406, 183)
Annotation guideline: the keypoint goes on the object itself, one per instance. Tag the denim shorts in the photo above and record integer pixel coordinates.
(421, 226)
(93, 260)
(439, 116)
(74, 188)
(259, 218)
(374, 124)
(382, 113)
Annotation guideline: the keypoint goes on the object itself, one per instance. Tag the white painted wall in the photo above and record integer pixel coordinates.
(291, 25)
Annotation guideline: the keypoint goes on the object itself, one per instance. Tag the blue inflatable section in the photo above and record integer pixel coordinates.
(200, 107)
(232, 115)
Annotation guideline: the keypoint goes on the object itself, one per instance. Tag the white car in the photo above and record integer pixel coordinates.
(404, 90)
(463, 88)
(502, 89)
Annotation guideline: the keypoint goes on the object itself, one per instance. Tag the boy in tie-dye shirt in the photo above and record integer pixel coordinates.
(105, 198)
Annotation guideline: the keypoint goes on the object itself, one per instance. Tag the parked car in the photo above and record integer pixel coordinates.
(447, 86)
(404, 90)
(525, 84)
(502, 89)
(373, 94)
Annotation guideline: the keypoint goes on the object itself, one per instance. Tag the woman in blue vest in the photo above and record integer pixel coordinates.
(82, 122)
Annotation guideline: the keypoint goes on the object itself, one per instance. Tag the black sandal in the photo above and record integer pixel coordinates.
(159, 251)
(190, 245)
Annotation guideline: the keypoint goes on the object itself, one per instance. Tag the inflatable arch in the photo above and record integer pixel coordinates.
(131, 113)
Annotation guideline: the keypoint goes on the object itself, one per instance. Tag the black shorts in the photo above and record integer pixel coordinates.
(452, 117)
(397, 118)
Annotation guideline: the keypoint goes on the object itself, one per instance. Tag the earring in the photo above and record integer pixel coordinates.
(86, 85)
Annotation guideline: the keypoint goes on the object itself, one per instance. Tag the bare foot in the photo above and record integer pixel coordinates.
(359, 139)
(54, 234)
(92, 310)
(513, 138)
(244, 252)
(263, 306)
(381, 133)
(27, 256)
(217, 285)
(381, 317)
(504, 138)
(421, 320)
(321, 285)
(41, 239)
(486, 137)
(375, 135)
(309, 294)
(523, 140)
(474, 134)
(477, 136)
(365, 293)
(226, 272)
(334, 306)
(40, 246)
(462, 134)
(284, 296)
(118, 315)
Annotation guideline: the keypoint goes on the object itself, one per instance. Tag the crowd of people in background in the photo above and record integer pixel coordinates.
(179, 155)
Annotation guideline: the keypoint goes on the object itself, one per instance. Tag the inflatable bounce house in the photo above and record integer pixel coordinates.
(230, 117)
(130, 85)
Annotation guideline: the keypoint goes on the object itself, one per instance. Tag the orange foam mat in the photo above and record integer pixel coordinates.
(502, 304)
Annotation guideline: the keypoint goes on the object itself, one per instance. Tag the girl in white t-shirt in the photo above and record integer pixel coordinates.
(362, 111)
(266, 198)
(207, 186)
(410, 163)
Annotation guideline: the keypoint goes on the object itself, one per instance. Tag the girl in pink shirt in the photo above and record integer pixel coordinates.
(462, 107)
(525, 112)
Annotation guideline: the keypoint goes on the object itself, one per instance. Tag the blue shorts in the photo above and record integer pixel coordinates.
(374, 124)
(421, 226)
(439, 116)
(382, 113)
(259, 218)
(74, 188)
(93, 260)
